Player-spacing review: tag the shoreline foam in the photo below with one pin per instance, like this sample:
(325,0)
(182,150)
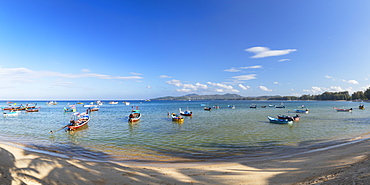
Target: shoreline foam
(19,166)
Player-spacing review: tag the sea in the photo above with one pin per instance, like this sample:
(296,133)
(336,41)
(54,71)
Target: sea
(223,134)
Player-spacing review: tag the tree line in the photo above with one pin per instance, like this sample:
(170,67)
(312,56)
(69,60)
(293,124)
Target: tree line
(359,95)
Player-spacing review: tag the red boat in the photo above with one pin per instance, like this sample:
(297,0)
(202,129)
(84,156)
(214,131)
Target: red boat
(78,120)
(343,110)
(32,110)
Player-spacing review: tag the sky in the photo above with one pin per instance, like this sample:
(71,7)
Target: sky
(143,49)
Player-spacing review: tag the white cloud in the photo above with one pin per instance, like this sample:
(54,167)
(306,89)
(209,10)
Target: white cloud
(262,52)
(283,60)
(252,67)
(245,77)
(228,87)
(276,82)
(319,90)
(187,87)
(232,70)
(174,82)
(149,87)
(24,74)
(201,88)
(352,82)
(264,88)
(336,88)
(85,70)
(244,87)
(327,76)
(165,76)
(137,74)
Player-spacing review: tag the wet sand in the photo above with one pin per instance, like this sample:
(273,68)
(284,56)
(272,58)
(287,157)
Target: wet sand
(347,164)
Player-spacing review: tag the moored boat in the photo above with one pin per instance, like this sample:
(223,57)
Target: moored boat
(12,113)
(134,116)
(280,106)
(51,103)
(291,118)
(93,109)
(78,121)
(231,106)
(343,110)
(70,108)
(361,106)
(279,121)
(113,102)
(176,117)
(207,108)
(254,106)
(185,113)
(32,110)
(301,111)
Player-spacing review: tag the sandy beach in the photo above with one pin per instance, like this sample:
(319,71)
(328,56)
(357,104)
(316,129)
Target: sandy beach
(346,164)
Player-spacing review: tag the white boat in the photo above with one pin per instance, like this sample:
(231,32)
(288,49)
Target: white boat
(126,103)
(51,103)
(9,114)
(113,102)
(89,105)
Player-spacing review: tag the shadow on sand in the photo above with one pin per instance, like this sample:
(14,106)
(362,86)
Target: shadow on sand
(57,170)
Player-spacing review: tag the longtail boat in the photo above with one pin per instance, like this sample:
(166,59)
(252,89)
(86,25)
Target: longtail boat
(279,121)
(78,120)
(134,116)
(343,110)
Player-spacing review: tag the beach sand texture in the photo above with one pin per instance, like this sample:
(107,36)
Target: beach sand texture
(340,165)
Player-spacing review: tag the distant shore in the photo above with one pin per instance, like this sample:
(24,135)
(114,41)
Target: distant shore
(332,166)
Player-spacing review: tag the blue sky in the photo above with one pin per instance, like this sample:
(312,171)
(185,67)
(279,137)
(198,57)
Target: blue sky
(142,49)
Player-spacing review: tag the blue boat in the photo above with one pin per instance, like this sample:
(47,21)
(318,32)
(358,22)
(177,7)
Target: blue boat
(301,111)
(279,121)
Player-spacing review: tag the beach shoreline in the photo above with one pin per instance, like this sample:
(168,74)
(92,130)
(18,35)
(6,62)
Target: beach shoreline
(20,166)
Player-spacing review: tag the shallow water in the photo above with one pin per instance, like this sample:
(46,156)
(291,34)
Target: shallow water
(219,134)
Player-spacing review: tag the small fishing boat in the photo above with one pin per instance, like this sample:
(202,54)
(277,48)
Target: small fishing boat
(254,106)
(290,118)
(126,103)
(279,121)
(216,107)
(280,106)
(89,105)
(176,117)
(134,116)
(31,106)
(51,103)
(301,111)
(113,102)
(32,110)
(263,106)
(70,108)
(186,112)
(10,114)
(78,121)
(207,108)
(343,110)
(95,108)
(361,106)
(231,106)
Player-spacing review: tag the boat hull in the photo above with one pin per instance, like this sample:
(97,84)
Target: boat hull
(279,121)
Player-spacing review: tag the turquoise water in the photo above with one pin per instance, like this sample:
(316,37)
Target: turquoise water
(220,134)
